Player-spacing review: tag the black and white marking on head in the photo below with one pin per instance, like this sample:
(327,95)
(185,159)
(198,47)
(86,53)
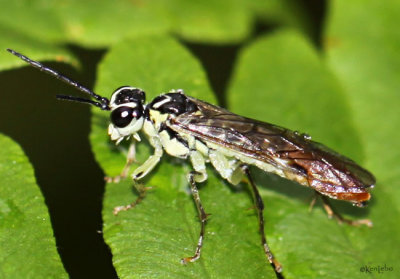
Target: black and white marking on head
(127,112)
(127,104)
(127,94)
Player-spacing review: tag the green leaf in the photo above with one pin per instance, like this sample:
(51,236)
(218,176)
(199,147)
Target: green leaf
(363,51)
(222,21)
(32,19)
(108,22)
(281,79)
(286,13)
(27,246)
(149,240)
(103,22)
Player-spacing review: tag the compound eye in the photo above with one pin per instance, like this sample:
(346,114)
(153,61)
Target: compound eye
(122,116)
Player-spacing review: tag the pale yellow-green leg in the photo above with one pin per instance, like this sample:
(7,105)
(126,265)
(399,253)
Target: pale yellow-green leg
(130,158)
(141,172)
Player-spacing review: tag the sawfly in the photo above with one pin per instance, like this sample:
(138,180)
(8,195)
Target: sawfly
(192,129)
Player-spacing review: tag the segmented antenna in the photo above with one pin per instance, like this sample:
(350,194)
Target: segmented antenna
(102,103)
(103,106)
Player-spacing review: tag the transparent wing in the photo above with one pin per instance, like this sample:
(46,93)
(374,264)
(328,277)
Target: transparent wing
(272,144)
(254,138)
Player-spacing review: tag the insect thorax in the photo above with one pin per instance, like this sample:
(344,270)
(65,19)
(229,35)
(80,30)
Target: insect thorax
(158,114)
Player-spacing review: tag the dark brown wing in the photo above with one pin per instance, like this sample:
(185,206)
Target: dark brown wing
(327,171)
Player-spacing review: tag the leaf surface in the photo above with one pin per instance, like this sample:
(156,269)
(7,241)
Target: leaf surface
(363,50)
(27,245)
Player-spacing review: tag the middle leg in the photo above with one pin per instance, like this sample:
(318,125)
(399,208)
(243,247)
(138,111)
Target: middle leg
(233,170)
(202,217)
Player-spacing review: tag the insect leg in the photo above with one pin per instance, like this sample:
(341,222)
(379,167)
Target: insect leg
(141,172)
(199,166)
(142,193)
(150,163)
(333,213)
(313,201)
(260,207)
(228,169)
(202,216)
(130,158)
(199,175)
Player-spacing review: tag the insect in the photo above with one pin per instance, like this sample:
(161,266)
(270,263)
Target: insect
(188,128)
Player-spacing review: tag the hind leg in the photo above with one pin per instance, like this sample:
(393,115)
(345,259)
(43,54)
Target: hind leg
(332,213)
(260,208)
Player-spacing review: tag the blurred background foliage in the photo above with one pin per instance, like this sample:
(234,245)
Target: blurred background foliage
(328,68)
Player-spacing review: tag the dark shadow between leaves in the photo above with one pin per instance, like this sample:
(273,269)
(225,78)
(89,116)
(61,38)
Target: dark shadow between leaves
(54,135)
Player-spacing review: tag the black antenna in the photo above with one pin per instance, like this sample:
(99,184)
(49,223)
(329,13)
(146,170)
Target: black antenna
(102,103)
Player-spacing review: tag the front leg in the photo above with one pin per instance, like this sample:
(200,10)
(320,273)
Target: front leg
(130,158)
(150,163)
(141,172)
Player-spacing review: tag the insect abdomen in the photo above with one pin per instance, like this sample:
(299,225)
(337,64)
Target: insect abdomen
(333,182)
